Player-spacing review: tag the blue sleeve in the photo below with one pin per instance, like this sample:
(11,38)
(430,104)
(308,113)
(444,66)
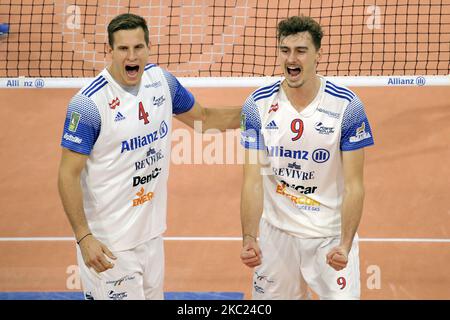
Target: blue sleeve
(82,125)
(356,132)
(182,99)
(251,137)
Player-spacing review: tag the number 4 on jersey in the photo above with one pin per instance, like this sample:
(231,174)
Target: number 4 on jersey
(143,115)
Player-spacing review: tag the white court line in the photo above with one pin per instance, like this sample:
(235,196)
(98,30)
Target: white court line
(410,240)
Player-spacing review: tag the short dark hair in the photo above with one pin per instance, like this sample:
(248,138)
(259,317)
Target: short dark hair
(298,24)
(126,21)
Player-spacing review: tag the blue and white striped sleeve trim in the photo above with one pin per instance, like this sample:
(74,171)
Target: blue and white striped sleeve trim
(339,92)
(267,91)
(95,86)
(355,132)
(251,137)
(82,125)
(182,99)
(149,66)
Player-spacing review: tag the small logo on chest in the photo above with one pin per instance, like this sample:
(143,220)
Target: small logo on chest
(273,108)
(158,101)
(153,85)
(322,129)
(119,117)
(115,103)
(272,125)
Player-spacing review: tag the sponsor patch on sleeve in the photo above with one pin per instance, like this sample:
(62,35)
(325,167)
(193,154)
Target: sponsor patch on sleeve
(243,121)
(74,120)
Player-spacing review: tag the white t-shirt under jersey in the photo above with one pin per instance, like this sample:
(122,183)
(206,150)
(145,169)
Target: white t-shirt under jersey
(128,140)
(303,189)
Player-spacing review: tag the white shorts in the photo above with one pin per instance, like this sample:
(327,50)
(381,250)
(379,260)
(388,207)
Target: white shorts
(290,265)
(137,274)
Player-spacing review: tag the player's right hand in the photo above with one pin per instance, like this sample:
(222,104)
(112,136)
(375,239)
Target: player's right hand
(251,254)
(95,254)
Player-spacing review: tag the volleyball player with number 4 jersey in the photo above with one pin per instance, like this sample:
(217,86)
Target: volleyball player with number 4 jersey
(304,140)
(115,164)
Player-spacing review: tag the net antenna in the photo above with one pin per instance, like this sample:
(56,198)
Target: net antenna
(217,43)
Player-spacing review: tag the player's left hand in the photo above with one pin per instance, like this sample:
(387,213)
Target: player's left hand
(337,258)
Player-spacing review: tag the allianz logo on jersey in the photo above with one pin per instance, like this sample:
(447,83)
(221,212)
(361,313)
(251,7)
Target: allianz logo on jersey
(119,117)
(281,152)
(142,198)
(319,155)
(272,125)
(141,141)
(361,134)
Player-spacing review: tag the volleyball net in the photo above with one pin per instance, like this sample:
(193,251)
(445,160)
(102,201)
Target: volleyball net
(62,43)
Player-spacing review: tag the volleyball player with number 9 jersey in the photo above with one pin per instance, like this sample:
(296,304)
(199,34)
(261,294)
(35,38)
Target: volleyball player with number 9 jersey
(304,189)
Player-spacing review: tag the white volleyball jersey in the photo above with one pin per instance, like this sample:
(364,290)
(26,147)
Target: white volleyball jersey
(128,140)
(303,189)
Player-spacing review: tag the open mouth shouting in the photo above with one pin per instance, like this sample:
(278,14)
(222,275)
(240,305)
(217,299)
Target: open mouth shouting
(294,72)
(132,70)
